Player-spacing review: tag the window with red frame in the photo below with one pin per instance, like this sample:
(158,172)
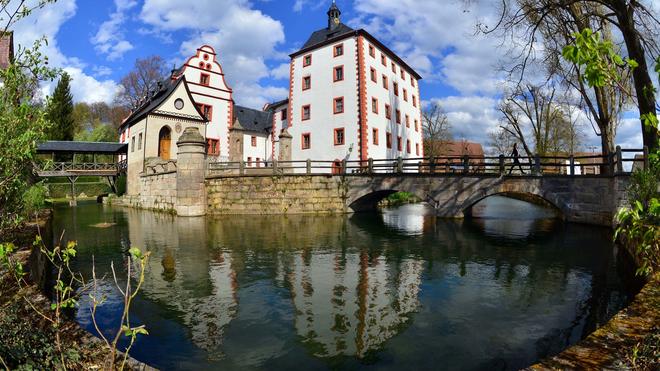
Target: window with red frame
(307,60)
(339,73)
(386,83)
(393,67)
(398,116)
(374,135)
(307,83)
(395,86)
(416,125)
(372,51)
(204,79)
(339,136)
(416,149)
(339,50)
(414,101)
(388,111)
(306,112)
(383,60)
(213,147)
(249,162)
(407,145)
(388,140)
(403,74)
(407,121)
(374,105)
(374,77)
(338,105)
(398,144)
(412,82)
(306,141)
(283,114)
(405,95)
(207,111)
(253,141)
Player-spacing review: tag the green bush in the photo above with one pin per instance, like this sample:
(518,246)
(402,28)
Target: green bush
(121,185)
(35,198)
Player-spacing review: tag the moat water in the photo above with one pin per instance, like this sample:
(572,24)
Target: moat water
(397,290)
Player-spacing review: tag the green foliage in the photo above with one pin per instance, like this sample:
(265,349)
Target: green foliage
(400,198)
(23,124)
(101,132)
(35,198)
(60,111)
(600,61)
(121,185)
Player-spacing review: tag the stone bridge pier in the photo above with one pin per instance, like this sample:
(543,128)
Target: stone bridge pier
(584,199)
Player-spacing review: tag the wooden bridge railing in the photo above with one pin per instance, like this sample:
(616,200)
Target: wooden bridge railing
(92,168)
(621,162)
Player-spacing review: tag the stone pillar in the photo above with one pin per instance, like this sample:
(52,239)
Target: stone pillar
(190,189)
(236,143)
(285,150)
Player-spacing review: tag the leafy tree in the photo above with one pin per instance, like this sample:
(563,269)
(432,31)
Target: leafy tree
(141,81)
(60,111)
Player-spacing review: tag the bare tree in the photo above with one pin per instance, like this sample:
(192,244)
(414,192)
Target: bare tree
(500,142)
(550,23)
(141,81)
(436,129)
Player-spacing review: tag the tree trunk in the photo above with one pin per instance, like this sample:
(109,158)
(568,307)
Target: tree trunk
(641,77)
(607,145)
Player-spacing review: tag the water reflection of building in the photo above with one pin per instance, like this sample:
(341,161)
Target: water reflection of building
(201,286)
(351,303)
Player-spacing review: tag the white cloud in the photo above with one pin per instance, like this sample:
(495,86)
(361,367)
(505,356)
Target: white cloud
(281,72)
(101,71)
(244,39)
(110,39)
(47,22)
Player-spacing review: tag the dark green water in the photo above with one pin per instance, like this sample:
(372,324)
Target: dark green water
(398,290)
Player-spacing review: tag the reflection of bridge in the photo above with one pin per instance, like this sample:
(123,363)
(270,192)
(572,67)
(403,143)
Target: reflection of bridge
(451,185)
(71,160)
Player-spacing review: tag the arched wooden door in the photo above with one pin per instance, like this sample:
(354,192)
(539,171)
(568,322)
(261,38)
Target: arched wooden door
(164,143)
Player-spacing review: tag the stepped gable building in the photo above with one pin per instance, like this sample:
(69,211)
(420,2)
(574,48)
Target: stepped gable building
(350,97)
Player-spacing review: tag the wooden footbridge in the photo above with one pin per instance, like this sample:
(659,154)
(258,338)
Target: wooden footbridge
(75,159)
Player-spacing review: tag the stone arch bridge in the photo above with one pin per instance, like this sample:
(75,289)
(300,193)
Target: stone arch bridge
(585,199)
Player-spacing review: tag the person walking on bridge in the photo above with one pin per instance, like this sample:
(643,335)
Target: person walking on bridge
(516,161)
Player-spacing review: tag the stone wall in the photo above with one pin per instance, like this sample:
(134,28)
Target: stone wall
(275,195)
(155,192)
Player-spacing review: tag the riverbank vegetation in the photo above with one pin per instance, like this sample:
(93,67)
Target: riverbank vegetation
(399,198)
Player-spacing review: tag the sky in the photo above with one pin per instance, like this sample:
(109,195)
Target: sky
(98,41)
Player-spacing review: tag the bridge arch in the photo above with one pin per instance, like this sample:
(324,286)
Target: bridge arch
(531,198)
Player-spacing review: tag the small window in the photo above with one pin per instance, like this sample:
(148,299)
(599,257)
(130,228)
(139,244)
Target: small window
(388,111)
(403,74)
(306,141)
(383,60)
(306,112)
(412,82)
(338,105)
(253,141)
(386,84)
(416,149)
(140,141)
(414,101)
(207,110)
(257,161)
(339,136)
(374,105)
(398,144)
(372,51)
(307,82)
(374,134)
(405,95)
(339,50)
(132,143)
(416,125)
(213,147)
(395,85)
(398,116)
(388,140)
(283,114)
(204,79)
(407,145)
(339,73)
(307,60)
(374,78)
(407,121)
(393,67)
(249,162)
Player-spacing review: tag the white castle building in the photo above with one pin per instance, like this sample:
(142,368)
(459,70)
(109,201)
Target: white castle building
(350,97)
